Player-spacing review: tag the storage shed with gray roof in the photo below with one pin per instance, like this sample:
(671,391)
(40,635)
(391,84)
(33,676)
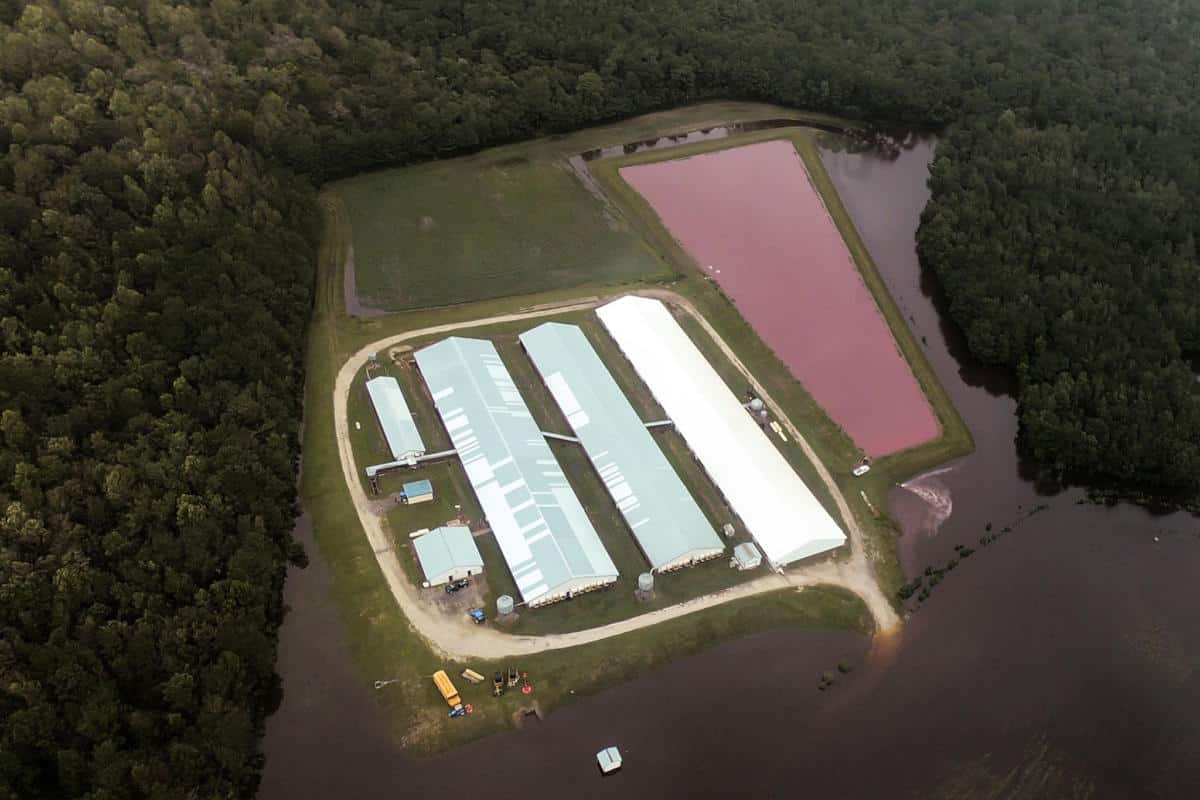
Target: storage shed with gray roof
(447,554)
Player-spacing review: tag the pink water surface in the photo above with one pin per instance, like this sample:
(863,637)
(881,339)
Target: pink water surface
(751,218)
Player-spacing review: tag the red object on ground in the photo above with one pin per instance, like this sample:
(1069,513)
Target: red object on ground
(754,222)
(526,689)
(470,709)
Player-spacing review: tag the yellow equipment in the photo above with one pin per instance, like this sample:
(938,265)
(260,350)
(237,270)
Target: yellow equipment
(442,681)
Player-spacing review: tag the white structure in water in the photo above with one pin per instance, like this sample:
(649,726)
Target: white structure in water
(779,511)
(545,535)
(609,760)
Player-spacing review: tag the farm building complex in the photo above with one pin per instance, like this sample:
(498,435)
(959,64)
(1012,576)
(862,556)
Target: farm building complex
(399,429)
(781,513)
(543,531)
(670,528)
(447,554)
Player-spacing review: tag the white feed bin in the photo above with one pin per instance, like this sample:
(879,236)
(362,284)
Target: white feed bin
(646,582)
(756,404)
(504,605)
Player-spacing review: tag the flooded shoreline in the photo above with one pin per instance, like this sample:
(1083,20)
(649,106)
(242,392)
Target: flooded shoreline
(355,307)
(1064,654)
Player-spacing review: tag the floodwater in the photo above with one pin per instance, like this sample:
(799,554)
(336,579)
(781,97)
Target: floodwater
(687,137)
(1068,649)
(354,306)
(752,219)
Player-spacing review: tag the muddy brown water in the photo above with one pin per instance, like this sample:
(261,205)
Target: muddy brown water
(355,307)
(1069,648)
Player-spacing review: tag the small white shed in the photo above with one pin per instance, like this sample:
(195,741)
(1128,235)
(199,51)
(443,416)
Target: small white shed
(746,556)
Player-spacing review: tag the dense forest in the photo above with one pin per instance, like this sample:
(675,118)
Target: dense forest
(157,170)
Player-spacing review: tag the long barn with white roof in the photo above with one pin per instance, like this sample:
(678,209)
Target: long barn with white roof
(550,545)
(778,509)
(395,420)
(668,525)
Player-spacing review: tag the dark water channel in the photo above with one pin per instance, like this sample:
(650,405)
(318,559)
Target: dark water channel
(1065,651)
(688,137)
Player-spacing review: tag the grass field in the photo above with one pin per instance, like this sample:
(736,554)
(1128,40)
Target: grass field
(508,221)
(428,236)
(379,637)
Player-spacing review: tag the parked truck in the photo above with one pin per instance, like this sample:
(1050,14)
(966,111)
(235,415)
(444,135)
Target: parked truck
(442,681)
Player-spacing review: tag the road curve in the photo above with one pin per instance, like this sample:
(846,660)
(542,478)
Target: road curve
(459,639)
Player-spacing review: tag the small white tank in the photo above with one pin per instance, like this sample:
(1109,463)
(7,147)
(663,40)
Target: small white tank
(646,582)
(756,404)
(504,605)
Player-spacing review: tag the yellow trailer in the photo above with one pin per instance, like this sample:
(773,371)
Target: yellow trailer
(472,676)
(442,681)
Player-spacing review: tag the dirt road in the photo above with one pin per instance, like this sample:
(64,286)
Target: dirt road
(460,639)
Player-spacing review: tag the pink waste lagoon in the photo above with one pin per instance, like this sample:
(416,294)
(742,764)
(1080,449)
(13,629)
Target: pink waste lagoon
(752,219)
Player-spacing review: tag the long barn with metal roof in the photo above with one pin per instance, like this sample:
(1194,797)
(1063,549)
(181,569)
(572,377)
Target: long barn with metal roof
(781,513)
(545,535)
(668,525)
(399,429)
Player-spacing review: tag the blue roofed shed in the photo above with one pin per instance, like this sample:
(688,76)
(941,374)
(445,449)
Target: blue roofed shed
(417,492)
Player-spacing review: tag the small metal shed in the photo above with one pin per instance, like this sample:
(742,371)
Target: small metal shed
(609,760)
(447,554)
(746,556)
(416,492)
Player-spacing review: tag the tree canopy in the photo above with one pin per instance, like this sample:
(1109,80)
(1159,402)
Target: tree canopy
(157,164)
